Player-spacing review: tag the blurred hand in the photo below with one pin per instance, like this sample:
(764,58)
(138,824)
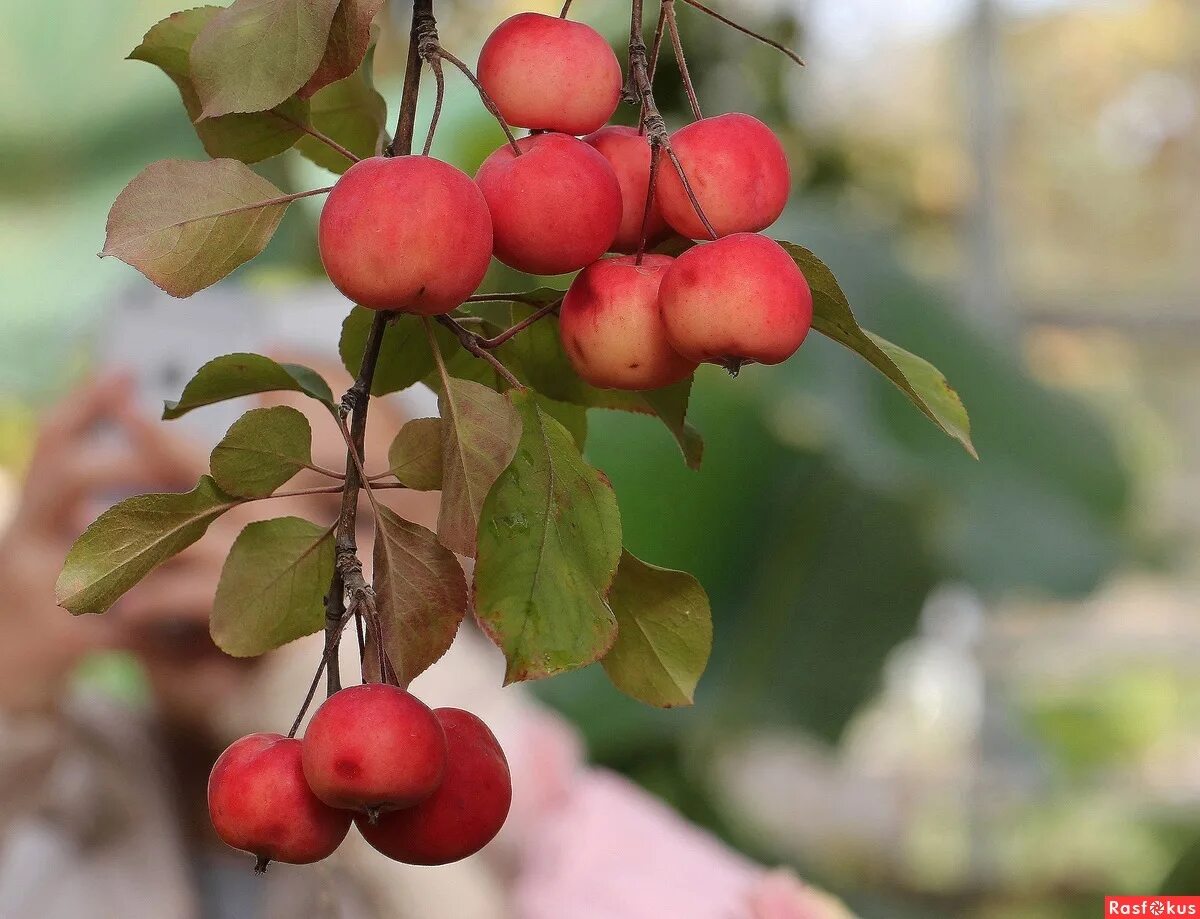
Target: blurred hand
(76,469)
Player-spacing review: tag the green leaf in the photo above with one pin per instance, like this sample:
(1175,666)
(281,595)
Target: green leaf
(915,377)
(549,544)
(131,539)
(480,431)
(351,112)
(263,449)
(234,375)
(246,137)
(272,588)
(537,358)
(664,633)
(185,225)
(421,595)
(404,357)
(347,44)
(571,417)
(254,54)
(415,456)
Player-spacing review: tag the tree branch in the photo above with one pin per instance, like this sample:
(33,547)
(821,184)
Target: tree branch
(470,341)
(783,49)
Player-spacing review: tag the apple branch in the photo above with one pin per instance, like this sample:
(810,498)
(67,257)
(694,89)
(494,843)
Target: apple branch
(471,342)
(782,49)
(689,89)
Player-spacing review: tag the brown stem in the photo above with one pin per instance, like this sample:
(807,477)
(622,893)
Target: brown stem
(317,135)
(741,28)
(565,9)
(406,120)
(439,78)
(487,101)
(655,158)
(470,341)
(689,89)
(497,340)
(312,692)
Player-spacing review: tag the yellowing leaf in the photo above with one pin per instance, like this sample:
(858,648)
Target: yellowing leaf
(415,456)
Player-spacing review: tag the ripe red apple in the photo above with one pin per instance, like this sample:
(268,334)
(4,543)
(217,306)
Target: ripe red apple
(612,329)
(373,748)
(628,152)
(464,814)
(259,802)
(735,300)
(550,74)
(406,233)
(555,208)
(738,170)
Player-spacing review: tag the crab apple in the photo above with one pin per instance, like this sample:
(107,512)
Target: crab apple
(628,152)
(407,233)
(611,326)
(550,74)
(555,208)
(736,300)
(259,802)
(464,814)
(737,170)
(373,748)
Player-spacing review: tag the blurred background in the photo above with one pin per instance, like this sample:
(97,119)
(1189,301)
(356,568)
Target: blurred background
(940,688)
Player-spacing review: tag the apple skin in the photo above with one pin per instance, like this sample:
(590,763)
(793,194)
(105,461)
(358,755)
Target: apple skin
(464,814)
(550,74)
(738,170)
(555,208)
(611,327)
(259,802)
(373,748)
(407,233)
(628,152)
(739,299)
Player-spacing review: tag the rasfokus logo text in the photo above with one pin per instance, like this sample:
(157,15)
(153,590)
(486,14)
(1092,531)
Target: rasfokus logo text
(1152,906)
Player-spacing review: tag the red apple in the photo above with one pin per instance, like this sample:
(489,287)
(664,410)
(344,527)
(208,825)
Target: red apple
(464,814)
(611,326)
(550,74)
(628,152)
(259,802)
(736,300)
(555,208)
(407,233)
(373,748)
(738,171)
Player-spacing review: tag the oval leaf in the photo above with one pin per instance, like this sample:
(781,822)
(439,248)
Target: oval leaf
(664,633)
(256,53)
(924,385)
(249,137)
(234,375)
(351,112)
(420,594)
(263,449)
(415,456)
(130,540)
(347,44)
(186,225)
(549,544)
(272,588)
(480,431)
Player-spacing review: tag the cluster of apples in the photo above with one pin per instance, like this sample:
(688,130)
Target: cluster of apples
(424,787)
(414,234)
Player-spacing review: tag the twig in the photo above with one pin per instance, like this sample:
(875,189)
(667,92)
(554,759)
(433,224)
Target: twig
(497,340)
(487,101)
(566,9)
(401,144)
(741,28)
(668,13)
(439,78)
(317,135)
(312,692)
(470,341)
(655,157)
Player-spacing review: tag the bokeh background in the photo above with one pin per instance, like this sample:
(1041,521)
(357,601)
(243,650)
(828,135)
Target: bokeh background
(941,687)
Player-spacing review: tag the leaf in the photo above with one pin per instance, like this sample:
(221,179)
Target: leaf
(480,431)
(404,357)
(263,449)
(130,540)
(664,633)
(350,112)
(571,417)
(246,137)
(185,225)
(537,357)
(420,592)
(415,456)
(915,377)
(549,544)
(347,44)
(234,375)
(256,53)
(272,588)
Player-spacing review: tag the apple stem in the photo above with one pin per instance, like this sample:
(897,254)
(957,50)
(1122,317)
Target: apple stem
(260,864)
(782,49)
(668,14)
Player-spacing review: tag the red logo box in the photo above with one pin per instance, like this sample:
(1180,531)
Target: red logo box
(1151,906)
